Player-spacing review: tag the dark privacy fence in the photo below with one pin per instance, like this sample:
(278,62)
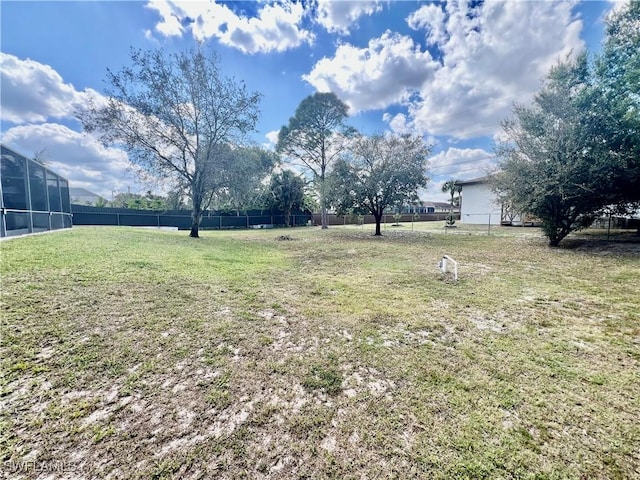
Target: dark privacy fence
(88,215)
(333,219)
(33,198)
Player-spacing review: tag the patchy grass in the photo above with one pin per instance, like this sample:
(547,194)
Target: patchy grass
(134,353)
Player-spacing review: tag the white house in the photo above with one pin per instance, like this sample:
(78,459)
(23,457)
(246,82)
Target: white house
(479,204)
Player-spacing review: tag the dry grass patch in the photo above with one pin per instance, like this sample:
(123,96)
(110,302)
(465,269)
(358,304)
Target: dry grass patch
(144,354)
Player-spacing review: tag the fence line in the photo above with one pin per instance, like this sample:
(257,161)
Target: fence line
(333,219)
(181,219)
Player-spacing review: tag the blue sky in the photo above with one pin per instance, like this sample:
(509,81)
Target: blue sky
(448,71)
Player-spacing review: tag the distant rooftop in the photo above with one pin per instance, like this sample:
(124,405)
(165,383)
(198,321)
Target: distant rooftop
(79,194)
(474,181)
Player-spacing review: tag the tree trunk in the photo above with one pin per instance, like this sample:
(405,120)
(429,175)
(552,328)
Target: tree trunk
(378,217)
(324,218)
(195,224)
(323,199)
(556,237)
(196,216)
(287,217)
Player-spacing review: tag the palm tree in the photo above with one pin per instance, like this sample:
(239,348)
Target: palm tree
(287,190)
(452,186)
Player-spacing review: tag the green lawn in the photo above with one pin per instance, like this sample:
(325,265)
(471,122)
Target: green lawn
(138,353)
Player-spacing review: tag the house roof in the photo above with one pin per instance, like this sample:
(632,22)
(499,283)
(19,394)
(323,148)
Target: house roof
(83,193)
(437,204)
(429,203)
(475,181)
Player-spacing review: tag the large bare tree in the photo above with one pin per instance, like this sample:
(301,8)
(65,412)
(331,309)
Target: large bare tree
(174,115)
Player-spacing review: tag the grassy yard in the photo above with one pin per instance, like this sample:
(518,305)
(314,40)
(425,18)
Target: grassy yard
(135,353)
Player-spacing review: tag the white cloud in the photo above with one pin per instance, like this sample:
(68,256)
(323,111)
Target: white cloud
(488,57)
(170,24)
(493,55)
(397,123)
(76,156)
(277,27)
(431,18)
(616,6)
(272,137)
(385,72)
(462,163)
(401,125)
(34,92)
(338,16)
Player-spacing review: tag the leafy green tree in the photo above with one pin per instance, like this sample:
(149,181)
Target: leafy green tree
(287,191)
(575,152)
(309,201)
(243,171)
(154,202)
(100,202)
(176,200)
(315,137)
(547,167)
(614,107)
(172,114)
(135,201)
(379,172)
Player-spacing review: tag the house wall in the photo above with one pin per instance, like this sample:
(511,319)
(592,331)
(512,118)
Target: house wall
(479,205)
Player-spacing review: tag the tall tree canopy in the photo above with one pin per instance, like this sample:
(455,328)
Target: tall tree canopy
(174,114)
(379,172)
(315,137)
